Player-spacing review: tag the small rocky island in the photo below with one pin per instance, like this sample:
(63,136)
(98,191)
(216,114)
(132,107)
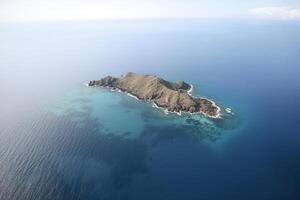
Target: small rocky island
(172,96)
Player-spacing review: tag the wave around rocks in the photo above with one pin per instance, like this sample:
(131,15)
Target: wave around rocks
(175,97)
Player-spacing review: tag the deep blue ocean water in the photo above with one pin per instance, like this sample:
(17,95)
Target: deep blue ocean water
(62,140)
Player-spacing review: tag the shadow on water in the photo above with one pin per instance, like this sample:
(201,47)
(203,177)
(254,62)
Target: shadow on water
(119,159)
(69,161)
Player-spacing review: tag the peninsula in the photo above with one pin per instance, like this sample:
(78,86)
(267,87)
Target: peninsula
(172,96)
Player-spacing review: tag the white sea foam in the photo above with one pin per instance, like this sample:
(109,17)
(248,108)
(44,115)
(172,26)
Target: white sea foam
(166,111)
(132,96)
(228,110)
(178,113)
(154,105)
(190,90)
(218,115)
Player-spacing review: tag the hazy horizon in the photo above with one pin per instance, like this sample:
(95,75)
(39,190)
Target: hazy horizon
(57,10)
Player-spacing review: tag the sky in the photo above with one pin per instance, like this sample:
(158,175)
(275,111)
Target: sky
(56,10)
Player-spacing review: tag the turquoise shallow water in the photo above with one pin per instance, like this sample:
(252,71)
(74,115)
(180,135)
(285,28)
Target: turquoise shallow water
(62,140)
(122,115)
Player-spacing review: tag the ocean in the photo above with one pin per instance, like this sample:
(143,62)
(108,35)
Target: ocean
(60,139)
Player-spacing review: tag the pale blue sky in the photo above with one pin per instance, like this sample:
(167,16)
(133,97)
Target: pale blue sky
(45,10)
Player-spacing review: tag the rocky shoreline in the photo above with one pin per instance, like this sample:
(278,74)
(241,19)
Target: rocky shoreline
(171,96)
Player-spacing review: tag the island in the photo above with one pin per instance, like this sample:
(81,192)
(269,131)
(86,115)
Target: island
(172,96)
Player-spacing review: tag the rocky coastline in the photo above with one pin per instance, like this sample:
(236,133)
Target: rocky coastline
(171,96)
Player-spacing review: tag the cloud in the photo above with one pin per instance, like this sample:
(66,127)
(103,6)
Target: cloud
(281,12)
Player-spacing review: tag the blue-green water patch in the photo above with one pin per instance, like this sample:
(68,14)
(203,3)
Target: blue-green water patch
(122,115)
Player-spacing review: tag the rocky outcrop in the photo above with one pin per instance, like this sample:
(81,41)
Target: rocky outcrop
(172,96)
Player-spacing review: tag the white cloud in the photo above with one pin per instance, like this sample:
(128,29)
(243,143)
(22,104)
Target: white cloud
(281,12)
